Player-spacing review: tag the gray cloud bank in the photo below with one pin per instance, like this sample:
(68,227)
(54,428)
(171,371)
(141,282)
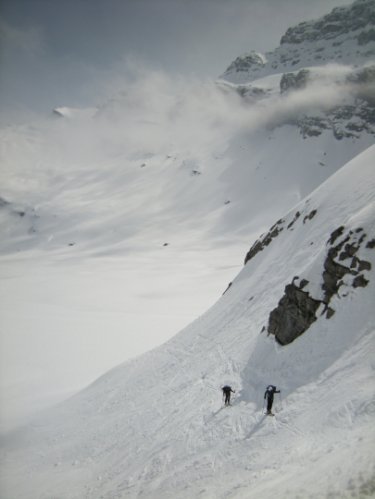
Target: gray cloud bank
(56,52)
(147,111)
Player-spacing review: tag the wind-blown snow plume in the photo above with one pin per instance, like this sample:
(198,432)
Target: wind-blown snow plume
(155,112)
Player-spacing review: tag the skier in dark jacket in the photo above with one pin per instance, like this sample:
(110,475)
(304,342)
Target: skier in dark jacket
(268,394)
(227,390)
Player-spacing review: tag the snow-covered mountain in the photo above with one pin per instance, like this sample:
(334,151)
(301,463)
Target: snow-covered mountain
(155,426)
(346,35)
(186,174)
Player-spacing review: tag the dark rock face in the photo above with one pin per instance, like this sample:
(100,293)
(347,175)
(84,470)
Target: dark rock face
(294,314)
(363,82)
(310,216)
(361,14)
(363,76)
(253,60)
(251,93)
(346,120)
(294,81)
(266,239)
(366,37)
(346,34)
(349,120)
(297,309)
(260,244)
(332,275)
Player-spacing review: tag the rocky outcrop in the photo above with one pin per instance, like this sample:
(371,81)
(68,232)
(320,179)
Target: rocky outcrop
(344,121)
(363,81)
(366,37)
(340,21)
(294,81)
(297,309)
(264,240)
(293,315)
(251,61)
(345,35)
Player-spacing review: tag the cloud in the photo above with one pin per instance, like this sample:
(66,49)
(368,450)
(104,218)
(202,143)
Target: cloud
(149,112)
(28,40)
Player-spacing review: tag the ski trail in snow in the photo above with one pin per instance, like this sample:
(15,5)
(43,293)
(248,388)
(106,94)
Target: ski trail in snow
(256,427)
(292,428)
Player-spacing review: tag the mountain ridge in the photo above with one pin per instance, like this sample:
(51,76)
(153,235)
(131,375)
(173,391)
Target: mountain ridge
(345,35)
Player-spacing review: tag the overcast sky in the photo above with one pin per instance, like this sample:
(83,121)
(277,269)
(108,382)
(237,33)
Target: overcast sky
(58,52)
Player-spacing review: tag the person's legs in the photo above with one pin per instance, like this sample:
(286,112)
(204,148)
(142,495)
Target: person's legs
(269,404)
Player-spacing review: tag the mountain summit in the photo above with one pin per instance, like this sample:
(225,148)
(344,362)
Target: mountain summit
(346,36)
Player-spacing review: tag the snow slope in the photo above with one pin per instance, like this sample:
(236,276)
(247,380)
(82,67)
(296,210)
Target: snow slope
(99,226)
(155,426)
(121,224)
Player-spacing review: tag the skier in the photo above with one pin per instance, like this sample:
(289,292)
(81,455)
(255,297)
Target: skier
(268,394)
(227,390)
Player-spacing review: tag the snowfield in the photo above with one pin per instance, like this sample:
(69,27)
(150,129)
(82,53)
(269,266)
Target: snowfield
(101,225)
(156,427)
(123,224)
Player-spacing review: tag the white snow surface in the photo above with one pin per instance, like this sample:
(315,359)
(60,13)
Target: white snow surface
(149,205)
(155,426)
(124,223)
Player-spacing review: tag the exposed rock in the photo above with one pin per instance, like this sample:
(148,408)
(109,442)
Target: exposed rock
(297,309)
(303,283)
(293,315)
(344,121)
(332,275)
(310,216)
(345,34)
(260,244)
(294,81)
(363,81)
(250,92)
(296,217)
(360,281)
(345,250)
(274,231)
(312,126)
(340,21)
(329,312)
(252,60)
(366,37)
(363,75)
